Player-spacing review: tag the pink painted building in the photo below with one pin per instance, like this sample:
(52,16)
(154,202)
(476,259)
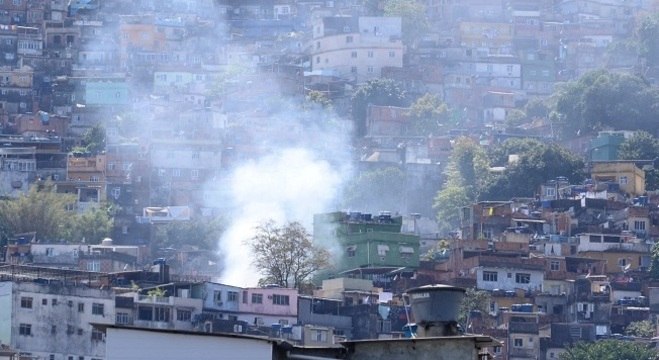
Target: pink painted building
(268,305)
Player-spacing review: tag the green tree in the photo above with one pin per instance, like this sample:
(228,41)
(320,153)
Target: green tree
(41,210)
(91,226)
(413,18)
(648,36)
(466,174)
(643,328)
(376,190)
(601,99)
(640,146)
(474,300)
(93,140)
(427,115)
(537,162)
(610,350)
(654,265)
(515,118)
(319,98)
(536,108)
(385,92)
(285,255)
(202,233)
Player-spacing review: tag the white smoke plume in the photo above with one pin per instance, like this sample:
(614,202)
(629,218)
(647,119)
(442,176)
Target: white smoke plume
(289,185)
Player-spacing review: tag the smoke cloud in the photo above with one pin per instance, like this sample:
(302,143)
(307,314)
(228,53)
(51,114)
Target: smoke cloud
(289,185)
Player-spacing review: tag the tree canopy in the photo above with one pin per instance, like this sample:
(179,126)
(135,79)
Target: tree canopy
(285,255)
(386,92)
(44,211)
(601,99)
(466,173)
(474,300)
(93,140)
(648,36)
(536,163)
(201,233)
(610,350)
(428,114)
(642,146)
(643,328)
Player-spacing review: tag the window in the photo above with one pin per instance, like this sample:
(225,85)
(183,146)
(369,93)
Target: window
(232,296)
(161,314)
(623,180)
(183,315)
(369,70)
(370,54)
(550,191)
(490,276)
(79,332)
(349,39)
(50,251)
(353,69)
(25,329)
(353,54)
(518,342)
(319,335)
(382,250)
(97,335)
(244,297)
(144,313)
(44,301)
(317,59)
(554,265)
(217,296)
(116,192)
(351,250)
(53,302)
(26,302)
(123,318)
(280,299)
(623,262)
(194,174)
(522,278)
(53,329)
(257,298)
(639,225)
(392,54)
(81,307)
(97,309)
(94,266)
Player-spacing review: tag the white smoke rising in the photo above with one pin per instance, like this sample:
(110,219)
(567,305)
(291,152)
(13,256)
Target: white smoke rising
(289,185)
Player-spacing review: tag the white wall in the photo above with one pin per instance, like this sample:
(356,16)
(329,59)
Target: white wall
(137,344)
(5,312)
(509,283)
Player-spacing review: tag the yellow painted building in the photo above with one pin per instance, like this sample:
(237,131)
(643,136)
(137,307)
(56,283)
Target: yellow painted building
(629,176)
(617,261)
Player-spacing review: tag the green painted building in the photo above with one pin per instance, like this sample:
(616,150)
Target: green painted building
(365,241)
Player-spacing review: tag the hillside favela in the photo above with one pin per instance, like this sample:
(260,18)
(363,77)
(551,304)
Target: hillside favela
(318,179)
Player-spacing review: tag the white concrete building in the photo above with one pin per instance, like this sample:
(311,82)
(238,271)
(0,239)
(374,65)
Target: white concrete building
(506,277)
(53,321)
(139,344)
(356,48)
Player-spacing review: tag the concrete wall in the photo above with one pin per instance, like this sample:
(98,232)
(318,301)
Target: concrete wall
(5,312)
(58,326)
(129,344)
